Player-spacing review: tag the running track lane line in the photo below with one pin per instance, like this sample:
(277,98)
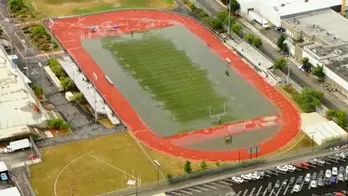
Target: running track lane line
(73,29)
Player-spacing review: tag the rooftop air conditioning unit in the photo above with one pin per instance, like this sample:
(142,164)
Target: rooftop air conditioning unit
(282,5)
(305,1)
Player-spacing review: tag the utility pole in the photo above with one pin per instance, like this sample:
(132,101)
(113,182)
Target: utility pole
(95,78)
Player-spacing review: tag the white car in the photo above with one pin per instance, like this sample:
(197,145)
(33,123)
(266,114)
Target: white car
(247,176)
(347,169)
(237,179)
(291,167)
(308,177)
(328,174)
(283,168)
(297,188)
(341,155)
(340,177)
(255,176)
(322,162)
(334,171)
(314,184)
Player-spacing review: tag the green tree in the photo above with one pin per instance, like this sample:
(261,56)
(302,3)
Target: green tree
(216,24)
(38,30)
(187,167)
(236,28)
(257,42)
(280,63)
(204,165)
(57,123)
(281,43)
(67,83)
(38,90)
(249,38)
(16,5)
(235,6)
(217,164)
(319,72)
(306,64)
(339,116)
(222,16)
(79,98)
(309,99)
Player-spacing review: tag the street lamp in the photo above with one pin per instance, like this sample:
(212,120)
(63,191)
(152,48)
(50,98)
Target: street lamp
(95,78)
(158,165)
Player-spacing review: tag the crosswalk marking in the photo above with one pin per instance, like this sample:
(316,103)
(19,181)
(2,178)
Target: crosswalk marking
(209,186)
(191,189)
(186,192)
(175,193)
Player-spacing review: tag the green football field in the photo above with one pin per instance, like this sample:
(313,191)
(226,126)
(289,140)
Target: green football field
(175,82)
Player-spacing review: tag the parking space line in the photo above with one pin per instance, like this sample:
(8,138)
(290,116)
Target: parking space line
(223,182)
(280,188)
(245,192)
(259,191)
(252,191)
(215,184)
(286,189)
(239,193)
(227,179)
(209,186)
(202,188)
(186,192)
(191,189)
(264,192)
(175,193)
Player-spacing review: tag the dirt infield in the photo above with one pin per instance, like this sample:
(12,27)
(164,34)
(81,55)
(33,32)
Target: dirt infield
(70,30)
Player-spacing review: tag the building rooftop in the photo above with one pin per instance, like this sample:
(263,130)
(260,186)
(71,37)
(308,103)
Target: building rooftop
(290,7)
(333,57)
(327,25)
(17,100)
(3,166)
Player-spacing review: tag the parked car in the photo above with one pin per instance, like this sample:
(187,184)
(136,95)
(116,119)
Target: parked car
(277,184)
(285,183)
(314,184)
(269,187)
(340,177)
(297,188)
(328,173)
(308,177)
(299,180)
(247,176)
(333,179)
(320,182)
(291,167)
(237,179)
(321,174)
(255,176)
(334,171)
(282,168)
(320,161)
(341,155)
(314,176)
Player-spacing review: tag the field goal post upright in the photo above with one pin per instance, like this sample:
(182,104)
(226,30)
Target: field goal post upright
(217,115)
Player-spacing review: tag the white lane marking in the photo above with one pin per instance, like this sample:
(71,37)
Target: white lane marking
(186,192)
(209,186)
(223,182)
(191,189)
(215,184)
(175,193)
(202,188)
(259,191)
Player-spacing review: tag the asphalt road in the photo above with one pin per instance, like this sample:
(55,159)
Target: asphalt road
(259,187)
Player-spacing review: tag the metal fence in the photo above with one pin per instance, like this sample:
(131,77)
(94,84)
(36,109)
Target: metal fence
(35,148)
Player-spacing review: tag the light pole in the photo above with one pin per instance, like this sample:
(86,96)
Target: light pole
(158,165)
(42,82)
(95,78)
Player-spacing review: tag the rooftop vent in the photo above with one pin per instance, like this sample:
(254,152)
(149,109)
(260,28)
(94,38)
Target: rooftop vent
(305,1)
(282,5)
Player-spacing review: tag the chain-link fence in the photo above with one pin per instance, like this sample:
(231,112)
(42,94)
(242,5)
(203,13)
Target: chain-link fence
(35,148)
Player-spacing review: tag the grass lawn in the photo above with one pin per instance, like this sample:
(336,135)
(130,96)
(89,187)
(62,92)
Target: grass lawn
(91,167)
(54,8)
(168,74)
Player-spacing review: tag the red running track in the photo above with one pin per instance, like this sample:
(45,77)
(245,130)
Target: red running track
(70,30)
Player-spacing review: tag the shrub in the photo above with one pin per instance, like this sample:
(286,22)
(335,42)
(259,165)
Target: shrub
(57,123)
(38,90)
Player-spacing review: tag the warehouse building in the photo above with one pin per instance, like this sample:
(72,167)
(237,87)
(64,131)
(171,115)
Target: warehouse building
(276,10)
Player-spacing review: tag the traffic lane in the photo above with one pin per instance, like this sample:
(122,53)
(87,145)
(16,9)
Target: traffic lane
(282,176)
(212,6)
(221,187)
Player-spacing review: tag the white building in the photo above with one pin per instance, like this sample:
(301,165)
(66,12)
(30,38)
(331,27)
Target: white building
(18,105)
(276,10)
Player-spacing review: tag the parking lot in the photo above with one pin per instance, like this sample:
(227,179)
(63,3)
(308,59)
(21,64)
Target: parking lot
(261,187)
